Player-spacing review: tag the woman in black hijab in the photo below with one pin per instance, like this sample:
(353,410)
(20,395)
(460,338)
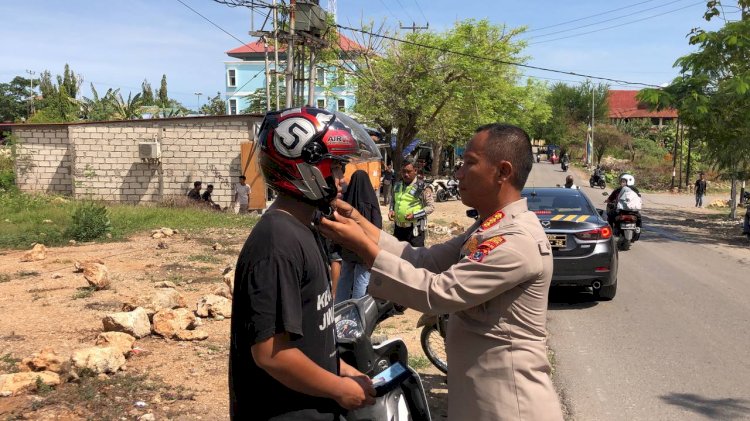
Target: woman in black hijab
(355,276)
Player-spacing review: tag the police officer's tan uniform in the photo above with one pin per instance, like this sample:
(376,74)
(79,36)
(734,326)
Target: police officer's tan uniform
(494,280)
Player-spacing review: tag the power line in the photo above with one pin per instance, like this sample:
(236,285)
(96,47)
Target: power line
(605,21)
(405,11)
(617,26)
(587,17)
(212,22)
(388,9)
(510,63)
(422,11)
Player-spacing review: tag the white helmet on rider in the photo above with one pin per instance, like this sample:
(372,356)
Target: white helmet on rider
(629,179)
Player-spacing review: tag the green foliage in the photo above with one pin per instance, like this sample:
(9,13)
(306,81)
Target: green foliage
(571,113)
(215,106)
(163,96)
(58,103)
(607,137)
(7,172)
(90,221)
(443,96)
(14,99)
(147,93)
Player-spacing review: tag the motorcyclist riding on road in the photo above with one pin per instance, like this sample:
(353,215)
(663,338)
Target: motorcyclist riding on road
(625,180)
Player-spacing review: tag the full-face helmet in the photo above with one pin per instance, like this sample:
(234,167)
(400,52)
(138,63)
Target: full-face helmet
(300,147)
(629,179)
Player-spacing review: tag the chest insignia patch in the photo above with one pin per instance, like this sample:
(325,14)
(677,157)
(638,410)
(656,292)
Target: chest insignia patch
(493,220)
(485,248)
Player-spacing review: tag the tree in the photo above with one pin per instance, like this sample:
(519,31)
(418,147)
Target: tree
(571,107)
(607,138)
(97,108)
(129,109)
(58,103)
(711,94)
(71,81)
(163,96)
(147,93)
(215,106)
(416,89)
(14,99)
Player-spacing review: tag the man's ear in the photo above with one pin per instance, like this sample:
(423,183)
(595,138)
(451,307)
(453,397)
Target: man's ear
(504,171)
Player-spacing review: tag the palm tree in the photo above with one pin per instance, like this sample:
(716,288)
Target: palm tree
(129,109)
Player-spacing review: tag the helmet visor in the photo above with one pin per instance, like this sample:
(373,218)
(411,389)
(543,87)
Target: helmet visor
(368,150)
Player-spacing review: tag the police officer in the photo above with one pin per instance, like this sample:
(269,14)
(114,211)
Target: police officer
(493,280)
(412,202)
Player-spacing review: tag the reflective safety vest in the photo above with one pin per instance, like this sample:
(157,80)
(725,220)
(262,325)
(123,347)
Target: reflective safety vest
(406,200)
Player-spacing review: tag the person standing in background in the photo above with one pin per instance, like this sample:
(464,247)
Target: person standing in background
(242,195)
(388,178)
(700,190)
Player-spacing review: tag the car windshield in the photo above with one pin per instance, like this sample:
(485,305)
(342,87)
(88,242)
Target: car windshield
(549,203)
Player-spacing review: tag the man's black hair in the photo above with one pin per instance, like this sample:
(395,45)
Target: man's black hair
(409,160)
(197,183)
(506,142)
(210,186)
(242,177)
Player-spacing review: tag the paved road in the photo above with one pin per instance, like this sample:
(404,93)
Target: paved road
(673,345)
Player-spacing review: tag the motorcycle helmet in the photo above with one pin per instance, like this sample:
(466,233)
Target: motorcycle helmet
(299,146)
(628,178)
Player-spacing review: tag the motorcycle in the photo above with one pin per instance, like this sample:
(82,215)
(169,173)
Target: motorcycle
(356,320)
(627,226)
(597,180)
(432,339)
(446,189)
(564,165)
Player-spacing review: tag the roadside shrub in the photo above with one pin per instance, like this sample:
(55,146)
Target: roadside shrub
(7,175)
(90,221)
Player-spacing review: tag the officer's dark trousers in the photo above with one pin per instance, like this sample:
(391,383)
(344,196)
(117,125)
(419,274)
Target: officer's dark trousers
(407,234)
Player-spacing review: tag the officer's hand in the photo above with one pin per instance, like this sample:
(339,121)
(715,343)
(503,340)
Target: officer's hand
(409,217)
(346,210)
(355,392)
(347,233)
(391,214)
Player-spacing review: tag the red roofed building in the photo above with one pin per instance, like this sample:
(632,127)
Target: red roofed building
(623,106)
(245,76)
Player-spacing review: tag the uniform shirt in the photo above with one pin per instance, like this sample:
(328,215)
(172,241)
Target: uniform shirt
(494,281)
(281,285)
(426,197)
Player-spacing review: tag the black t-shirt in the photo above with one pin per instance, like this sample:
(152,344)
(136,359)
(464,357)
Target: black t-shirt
(194,194)
(281,285)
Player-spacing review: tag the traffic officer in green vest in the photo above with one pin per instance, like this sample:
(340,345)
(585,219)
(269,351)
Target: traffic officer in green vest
(412,202)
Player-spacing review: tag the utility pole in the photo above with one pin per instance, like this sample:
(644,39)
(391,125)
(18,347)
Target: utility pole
(311,87)
(674,154)
(31,95)
(414,26)
(276,51)
(290,58)
(198,94)
(593,92)
(268,75)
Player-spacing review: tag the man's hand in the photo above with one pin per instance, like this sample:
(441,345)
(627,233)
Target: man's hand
(391,215)
(350,235)
(355,392)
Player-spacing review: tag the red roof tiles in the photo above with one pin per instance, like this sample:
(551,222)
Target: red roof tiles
(623,104)
(345,43)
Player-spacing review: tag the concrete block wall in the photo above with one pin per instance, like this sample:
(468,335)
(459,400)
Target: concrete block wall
(104,162)
(44,159)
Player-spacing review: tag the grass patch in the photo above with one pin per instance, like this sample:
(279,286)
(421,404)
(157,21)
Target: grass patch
(84,292)
(419,362)
(9,363)
(4,277)
(37,290)
(104,306)
(204,258)
(26,213)
(27,273)
(111,398)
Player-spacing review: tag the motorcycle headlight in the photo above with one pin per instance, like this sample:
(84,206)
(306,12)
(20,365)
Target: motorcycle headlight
(349,324)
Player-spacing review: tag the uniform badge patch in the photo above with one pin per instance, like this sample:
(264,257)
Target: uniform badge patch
(485,248)
(493,220)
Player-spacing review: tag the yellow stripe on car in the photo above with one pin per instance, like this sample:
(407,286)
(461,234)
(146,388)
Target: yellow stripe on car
(557,217)
(569,218)
(582,218)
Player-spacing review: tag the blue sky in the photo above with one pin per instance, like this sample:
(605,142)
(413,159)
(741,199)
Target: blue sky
(118,43)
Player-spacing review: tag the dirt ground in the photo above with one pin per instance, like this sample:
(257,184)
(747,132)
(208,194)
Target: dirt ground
(45,304)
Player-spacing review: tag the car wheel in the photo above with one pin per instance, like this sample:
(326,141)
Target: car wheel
(606,293)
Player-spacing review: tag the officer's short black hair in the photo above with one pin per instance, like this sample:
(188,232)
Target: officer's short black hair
(409,160)
(210,186)
(506,142)
(197,184)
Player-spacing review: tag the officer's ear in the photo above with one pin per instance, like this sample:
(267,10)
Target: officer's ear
(504,171)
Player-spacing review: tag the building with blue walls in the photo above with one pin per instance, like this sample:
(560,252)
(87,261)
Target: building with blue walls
(245,79)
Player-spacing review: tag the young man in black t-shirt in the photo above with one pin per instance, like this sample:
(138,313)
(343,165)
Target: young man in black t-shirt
(283,359)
